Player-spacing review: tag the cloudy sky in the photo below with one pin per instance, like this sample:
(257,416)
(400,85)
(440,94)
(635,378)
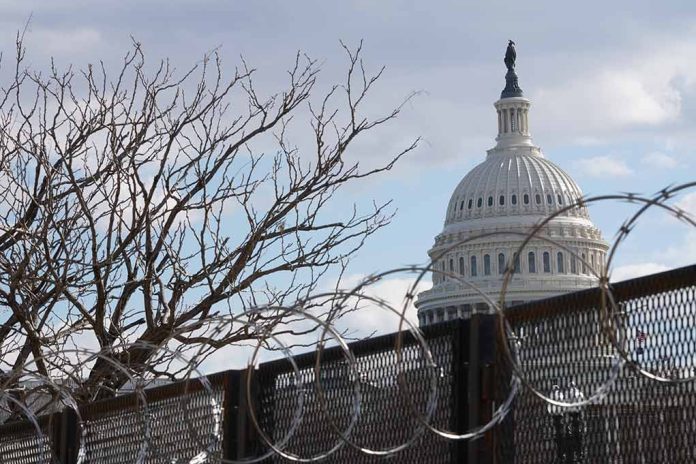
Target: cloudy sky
(613,87)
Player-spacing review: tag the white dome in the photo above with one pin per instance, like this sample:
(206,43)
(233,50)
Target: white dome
(510,183)
(506,195)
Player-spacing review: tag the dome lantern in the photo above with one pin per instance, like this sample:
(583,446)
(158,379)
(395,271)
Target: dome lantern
(513,123)
(512,108)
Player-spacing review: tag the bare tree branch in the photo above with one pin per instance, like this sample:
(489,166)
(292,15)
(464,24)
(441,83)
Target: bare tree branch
(139,205)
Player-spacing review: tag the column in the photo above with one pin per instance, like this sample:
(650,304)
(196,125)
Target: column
(526,121)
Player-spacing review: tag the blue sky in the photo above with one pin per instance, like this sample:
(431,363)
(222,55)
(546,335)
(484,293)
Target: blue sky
(613,87)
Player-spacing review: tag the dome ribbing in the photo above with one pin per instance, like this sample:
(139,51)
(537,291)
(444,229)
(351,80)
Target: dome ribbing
(513,184)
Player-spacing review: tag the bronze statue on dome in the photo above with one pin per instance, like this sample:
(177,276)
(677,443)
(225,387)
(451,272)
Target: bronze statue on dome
(512,88)
(510,56)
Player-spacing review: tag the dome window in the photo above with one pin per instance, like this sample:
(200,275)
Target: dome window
(547,262)
(473,266)
(471,203)
(573,265)
(516,260)
(502,200)
(531,262)
(559,263)
(479,203)
(487,264)
(501,263)
(549,198)
(560,199)
(538,199)
(526,199)
(514,199)
(490,201)
(451,263)
(584,266)
(461,266)
(461,205)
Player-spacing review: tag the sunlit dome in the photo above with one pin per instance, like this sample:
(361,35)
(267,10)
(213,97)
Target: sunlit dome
(512,183)
(500,199)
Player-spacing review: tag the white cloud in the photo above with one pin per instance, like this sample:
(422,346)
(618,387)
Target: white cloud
(682,251)
(372,317)
(630,271)
(588,141)
(679,250)
(603,166)
(688,204)
(646,85)
(659,160)
(616,99)
(64,41)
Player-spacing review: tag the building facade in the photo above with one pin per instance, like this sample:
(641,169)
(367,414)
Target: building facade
(500,201)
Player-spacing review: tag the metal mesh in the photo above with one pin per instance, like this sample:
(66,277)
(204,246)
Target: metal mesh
(23,445)
(560,343)
(386,419)
(180,423)
(640,420)
(172,430)
(20,441)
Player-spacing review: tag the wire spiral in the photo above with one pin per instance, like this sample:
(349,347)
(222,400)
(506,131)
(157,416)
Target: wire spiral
(613,331)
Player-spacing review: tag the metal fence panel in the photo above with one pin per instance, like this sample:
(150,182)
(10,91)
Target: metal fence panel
(178,423)
(561,343)
(640,420)
(386,420)
(21,444)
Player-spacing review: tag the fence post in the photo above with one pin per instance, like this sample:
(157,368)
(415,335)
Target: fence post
(488,393)
(503,433)
(239,436)
(460,413)
(69,437)
(230,410)
(474,384)
(236,410)
(61,432)
(55,434)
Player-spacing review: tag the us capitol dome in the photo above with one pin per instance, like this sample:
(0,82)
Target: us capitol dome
(512,190)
